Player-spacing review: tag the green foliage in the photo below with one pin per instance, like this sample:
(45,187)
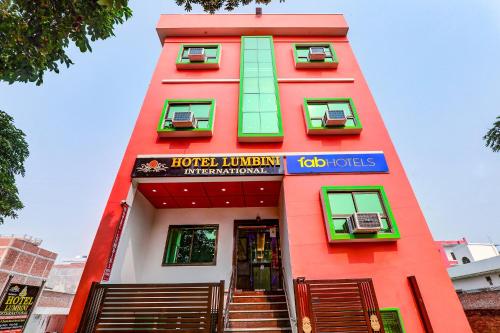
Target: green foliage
(492,137)
(35,34)
(211,6)
(13,153)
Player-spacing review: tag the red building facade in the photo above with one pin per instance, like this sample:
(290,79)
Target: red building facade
(258,158)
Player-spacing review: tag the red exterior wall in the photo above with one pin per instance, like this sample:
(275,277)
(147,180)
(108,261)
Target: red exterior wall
(388,264)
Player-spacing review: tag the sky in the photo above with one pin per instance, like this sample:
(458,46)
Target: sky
(432,67)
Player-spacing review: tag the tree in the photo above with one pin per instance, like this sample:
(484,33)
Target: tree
(211,6)
(13,153)
(34,35)
(492,137)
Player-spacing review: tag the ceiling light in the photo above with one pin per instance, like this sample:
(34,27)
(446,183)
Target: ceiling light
(164,203)
(262,201)
(193,203)
(262,189)
(154,190)
(223,189)
(227,202)
(185,190)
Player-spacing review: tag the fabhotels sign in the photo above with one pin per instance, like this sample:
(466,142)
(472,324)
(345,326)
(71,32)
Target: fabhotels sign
(208,166)
(336,163)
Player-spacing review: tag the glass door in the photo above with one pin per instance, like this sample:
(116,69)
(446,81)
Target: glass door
(258,258)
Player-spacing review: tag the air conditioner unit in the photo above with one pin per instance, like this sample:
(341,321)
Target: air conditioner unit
(334,118)
(197,54)
(365,223)
(183,119)
(317,53)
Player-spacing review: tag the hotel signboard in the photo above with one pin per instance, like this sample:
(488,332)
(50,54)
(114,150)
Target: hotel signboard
(16,306)
(209,166)
(337,163)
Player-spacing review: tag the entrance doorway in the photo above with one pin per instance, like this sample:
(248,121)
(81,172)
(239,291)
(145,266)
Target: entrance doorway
(257,256)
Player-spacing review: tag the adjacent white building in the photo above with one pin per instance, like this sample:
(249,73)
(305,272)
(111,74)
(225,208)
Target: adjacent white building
(471,266)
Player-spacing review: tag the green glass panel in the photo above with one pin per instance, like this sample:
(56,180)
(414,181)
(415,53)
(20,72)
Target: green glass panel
(263,43)
(304,53)
(317,110)
(264,56)
(250,102)
(350,122)
(341,106)
(251,86)
(173,243)
(185,53)
(266,85)
(251,123)
(328,59)
(201,110)
(251,70)
(202,124)
(269,122)
(328,52)
(203,246)
(316,123)
(368,202)
(211,52)
(385,226)
(250,43)
(340,225)
(250,56)
(265,72)
(184,247)
(167,124)
(175,108)
(341,203)
(262,277)
(268,102)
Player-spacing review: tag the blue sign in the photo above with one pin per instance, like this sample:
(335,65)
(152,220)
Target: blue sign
(336,163)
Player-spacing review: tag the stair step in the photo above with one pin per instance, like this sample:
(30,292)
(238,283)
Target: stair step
(254,319)
(261,329)
(258,298)
(253,314)
(258,306)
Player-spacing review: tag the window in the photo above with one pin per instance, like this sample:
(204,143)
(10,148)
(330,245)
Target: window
(191,245)
(392,320)
(259,110)
(203,111)
(489,280)
(210,58)
(341,202)
(315,109)
(465,260)
(303,60)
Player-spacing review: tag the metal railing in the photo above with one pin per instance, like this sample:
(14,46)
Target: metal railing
(229,297)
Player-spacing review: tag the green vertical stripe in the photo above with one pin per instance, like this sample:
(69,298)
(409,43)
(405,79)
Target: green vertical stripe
(259,109)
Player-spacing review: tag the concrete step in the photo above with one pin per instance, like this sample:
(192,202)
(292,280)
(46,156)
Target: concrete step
(242,314)
(259,323)
(257,306)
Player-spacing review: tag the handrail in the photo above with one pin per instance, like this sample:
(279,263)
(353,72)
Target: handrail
(293,320)
(229,297)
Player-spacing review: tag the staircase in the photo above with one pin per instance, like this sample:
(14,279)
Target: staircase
(258,311)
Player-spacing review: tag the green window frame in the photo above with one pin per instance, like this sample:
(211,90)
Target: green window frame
(259,116)
(301,51)
(213,52)
(191,245)
(204,112)
(392,320)
(340,202)
(315,108)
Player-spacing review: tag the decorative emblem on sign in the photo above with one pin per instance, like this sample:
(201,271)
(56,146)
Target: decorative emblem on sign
(306,325)
(375,324)
(152,166)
